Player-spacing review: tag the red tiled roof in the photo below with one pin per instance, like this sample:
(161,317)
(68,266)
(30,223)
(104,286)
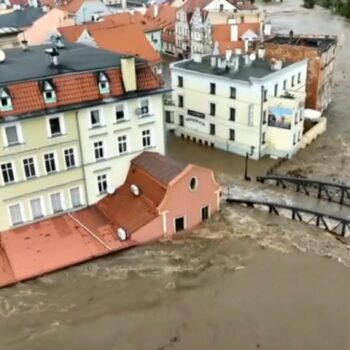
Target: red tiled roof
(190,5)
(163,169)
(143,22)
(166,15)
(222,34)
(73,5)
(74,89)
(131,39)
(69,239)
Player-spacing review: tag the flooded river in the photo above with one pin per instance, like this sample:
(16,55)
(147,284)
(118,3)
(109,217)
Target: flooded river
(245,280)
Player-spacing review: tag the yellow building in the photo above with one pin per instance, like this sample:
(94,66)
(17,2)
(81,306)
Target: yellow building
(70,121)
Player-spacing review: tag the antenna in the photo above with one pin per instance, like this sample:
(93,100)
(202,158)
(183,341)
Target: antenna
(2,56)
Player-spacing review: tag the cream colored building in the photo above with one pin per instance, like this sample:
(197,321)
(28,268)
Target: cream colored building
(67,135)
(239,103)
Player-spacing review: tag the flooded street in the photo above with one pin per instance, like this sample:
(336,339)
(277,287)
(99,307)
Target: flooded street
(245,280)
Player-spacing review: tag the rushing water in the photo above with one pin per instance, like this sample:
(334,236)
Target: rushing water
(245,280)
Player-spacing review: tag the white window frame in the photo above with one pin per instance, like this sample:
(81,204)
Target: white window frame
(97,183)
(62,202)
(124,112)
(103,150)
(56,163)
(42,205)
(13,165)
(22,213)
(35,167)
(62,125)
(80,196)
(148,107)
(19,134)
(102,120)
(150,136)
(128,150)
(75,153)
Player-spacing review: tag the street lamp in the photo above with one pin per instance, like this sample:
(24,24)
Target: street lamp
(246,177)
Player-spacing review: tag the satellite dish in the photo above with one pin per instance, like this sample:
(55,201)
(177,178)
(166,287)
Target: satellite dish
(110,190)
(2,56)
(252,57)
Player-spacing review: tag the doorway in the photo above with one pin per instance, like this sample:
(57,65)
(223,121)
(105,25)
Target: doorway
(205,213)
(179,224)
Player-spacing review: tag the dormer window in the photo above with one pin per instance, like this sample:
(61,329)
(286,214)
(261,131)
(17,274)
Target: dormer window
(49,92)
(5,100)
(103,83)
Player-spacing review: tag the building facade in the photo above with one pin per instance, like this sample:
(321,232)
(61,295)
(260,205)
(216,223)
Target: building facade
(239,104)
(68,131)
(320,51)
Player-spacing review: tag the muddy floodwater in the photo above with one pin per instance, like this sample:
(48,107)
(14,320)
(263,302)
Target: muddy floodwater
(245,280)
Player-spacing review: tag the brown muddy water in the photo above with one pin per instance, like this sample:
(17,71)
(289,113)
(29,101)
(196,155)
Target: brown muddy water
(245,280)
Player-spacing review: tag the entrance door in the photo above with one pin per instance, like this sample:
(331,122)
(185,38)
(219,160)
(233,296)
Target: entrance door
(179,224)
(205,213)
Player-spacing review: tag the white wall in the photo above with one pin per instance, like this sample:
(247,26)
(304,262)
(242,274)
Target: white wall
(114,165)
(197,97)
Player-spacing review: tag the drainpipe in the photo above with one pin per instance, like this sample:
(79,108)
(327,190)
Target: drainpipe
(261,118)
(82,158)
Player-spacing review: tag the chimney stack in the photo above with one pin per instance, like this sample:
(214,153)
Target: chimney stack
(155,9)
(228,53)
(124,4)
(24,44)
(234,29)
(267,29)
(53,53)
(261,52)
(129,73)
(291,35)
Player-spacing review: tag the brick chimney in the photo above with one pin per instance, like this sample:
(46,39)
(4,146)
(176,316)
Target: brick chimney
(234,29)
(129,73)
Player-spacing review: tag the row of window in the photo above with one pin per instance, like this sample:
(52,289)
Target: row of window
(12,133)
(122,144)
(37,207)
(49,92)
(233,90)
(30,168)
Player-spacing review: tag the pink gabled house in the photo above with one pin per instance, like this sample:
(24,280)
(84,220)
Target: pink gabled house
(159,198)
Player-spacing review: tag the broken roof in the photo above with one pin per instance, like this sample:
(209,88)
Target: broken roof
(322,42)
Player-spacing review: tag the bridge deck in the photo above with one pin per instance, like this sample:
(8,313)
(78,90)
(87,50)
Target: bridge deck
(333,192)
(331,223)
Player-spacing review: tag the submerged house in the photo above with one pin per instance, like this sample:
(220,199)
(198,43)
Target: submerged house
(159,198)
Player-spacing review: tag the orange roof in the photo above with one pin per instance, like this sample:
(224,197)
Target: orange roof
(131,41)
(144,23)
(74,89)
(222,34)
(190,5)
(69,239)
(166,15)
(73,6)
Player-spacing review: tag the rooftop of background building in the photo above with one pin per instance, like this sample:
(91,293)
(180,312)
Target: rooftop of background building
(314,41)
(259,68)
(34,63)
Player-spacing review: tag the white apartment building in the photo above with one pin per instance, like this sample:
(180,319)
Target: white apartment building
(239,103)
(69,130)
